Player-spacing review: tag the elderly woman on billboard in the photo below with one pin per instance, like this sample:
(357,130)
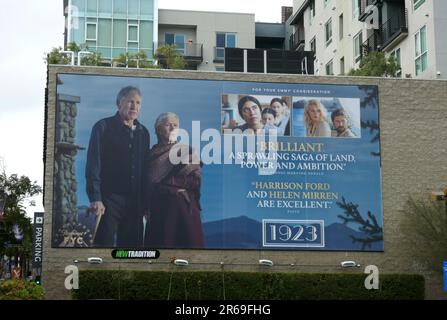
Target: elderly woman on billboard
(174,190)
(315,118)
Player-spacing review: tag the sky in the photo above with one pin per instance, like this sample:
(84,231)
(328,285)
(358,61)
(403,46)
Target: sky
(29,29)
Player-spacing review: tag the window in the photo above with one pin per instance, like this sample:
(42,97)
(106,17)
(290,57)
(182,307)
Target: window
(340,26)
(220,69)
(311,11)
(224,40)
(358,40)
(177,39)
(417,4)
(421,52)
(396,55)
(313,46)
(355,8)
(91,31)
(342,66)
(330,68)
(328,28)
(132,33)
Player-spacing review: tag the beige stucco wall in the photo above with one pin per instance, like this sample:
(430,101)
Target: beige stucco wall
(413,134)
(205,25)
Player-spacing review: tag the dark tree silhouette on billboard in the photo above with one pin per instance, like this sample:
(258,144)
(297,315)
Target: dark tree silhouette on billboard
(369,226)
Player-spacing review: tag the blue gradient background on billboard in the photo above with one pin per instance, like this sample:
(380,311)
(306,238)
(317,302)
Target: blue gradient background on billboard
(224,187)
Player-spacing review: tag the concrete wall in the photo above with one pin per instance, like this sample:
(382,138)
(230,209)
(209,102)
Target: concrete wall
(413,132)
(207,24)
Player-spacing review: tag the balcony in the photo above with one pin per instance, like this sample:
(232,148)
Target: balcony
(297,41)
(191,52)
(388,35)
(363,4)
(394,30)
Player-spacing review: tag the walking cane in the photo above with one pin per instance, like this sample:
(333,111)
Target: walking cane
(98,220)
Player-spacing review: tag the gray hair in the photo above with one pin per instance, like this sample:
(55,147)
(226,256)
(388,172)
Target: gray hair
(125,91)
(163,117)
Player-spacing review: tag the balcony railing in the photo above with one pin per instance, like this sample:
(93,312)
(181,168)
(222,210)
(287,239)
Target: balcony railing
(363,4)
(190,51)
(296,41)
(388,34)
(395,27)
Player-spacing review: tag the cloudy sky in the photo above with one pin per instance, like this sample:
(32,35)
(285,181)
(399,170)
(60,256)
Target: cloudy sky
(28,29)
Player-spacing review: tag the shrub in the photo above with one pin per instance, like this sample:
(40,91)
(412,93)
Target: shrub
(20,290)
(185,285)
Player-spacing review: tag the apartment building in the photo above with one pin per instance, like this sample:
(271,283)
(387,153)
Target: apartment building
(202,36)
(112,27)
(341,32)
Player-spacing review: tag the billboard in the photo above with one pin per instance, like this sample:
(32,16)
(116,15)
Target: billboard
(209,164)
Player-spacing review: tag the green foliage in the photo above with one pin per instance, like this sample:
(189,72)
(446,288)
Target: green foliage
(72,46)
(15,190)
(169,58)
(375,64)
(185,285)
(56,57)
(134,60)
(20,290)
(93,59)
(425,228)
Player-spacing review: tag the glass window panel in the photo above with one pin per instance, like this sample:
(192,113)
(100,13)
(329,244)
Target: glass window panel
(105,33)
(180,40)
(105,6)
(79,4)
(119,33)
(91,45)
(147,8)
(220,40)
(92,6)
(169,38)
(133,33)
(424,62)
(146,36)
(117,51)
(105,52)
(220,53)
(120,6)
(231,40)
(134,7)
(423,40)
(91,31)
(417,44)
(418,66)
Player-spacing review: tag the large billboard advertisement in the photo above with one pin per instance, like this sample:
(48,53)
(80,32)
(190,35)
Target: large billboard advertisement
(209,164)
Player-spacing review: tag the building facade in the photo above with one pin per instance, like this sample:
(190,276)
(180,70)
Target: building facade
(341,32)
(201,36)
(112,27)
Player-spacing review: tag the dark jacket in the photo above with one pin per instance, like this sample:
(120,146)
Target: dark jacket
(116,159)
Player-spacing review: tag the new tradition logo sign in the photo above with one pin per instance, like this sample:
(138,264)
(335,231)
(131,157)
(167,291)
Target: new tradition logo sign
(135,254)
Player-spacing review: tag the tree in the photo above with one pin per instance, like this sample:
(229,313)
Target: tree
(14,191)
(424,226)
(134,60)
(56,57)
(169,57)
(375,64)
